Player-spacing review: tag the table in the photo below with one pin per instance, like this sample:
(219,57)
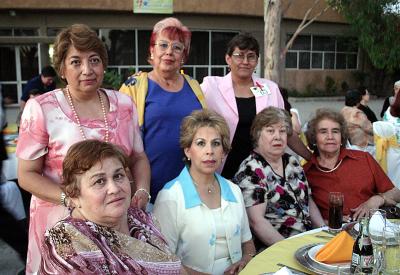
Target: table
(283,252)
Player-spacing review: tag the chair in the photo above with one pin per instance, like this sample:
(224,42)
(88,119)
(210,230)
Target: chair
(387,150)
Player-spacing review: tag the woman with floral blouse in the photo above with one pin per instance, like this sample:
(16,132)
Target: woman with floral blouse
(275,190)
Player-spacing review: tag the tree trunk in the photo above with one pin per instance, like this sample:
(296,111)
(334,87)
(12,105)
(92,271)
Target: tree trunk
(272,33)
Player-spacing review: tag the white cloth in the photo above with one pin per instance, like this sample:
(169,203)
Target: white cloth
(188,224)
(11,200)
(387,129)
(283,271)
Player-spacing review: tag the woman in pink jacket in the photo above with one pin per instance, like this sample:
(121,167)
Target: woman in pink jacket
(239,96)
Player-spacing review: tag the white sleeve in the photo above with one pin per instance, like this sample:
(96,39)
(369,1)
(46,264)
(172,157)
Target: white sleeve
(166,212)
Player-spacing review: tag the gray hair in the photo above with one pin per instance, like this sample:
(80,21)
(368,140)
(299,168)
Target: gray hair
(397,84)
(267,117)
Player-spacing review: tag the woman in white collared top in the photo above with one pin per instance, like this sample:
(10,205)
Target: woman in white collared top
(202,214)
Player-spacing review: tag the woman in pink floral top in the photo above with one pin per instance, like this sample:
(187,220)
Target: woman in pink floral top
(54,121)
(275,190)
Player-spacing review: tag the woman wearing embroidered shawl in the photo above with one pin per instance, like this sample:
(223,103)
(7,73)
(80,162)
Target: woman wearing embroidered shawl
(102,234)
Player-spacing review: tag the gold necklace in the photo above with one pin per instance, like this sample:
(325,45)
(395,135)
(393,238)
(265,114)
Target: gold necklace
(210,187)
(331,170)
(103,109)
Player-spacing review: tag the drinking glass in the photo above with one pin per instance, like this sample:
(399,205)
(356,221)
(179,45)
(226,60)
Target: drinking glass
(376,225)
(391,243)
(335,211)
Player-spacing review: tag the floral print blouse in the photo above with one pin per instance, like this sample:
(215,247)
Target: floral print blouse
(286,197)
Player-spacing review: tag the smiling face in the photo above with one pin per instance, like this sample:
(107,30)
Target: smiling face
(167,59)
(328,136)
(272,141)
(205,152)
(84,71)
(105,193)
(242,67)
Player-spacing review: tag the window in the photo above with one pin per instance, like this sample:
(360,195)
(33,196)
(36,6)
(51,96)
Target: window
(19,32)
(322,52)
(21,64)
(206,56)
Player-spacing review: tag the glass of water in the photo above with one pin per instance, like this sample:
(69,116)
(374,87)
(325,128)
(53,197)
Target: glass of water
(391,244)
(377,223)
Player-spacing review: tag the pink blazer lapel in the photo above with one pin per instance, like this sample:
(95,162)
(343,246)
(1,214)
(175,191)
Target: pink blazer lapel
(226,89)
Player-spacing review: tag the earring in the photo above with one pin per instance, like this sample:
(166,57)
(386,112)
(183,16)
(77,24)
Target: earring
(62,77)
(182,62)
(151,56)
(188,159)
(105,71)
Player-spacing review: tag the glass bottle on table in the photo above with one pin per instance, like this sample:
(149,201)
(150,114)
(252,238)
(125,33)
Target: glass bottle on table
(362,259)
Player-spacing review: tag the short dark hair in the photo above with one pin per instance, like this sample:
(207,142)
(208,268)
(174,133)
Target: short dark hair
(84,155)
(362,90)
(352,98)
(35,92)
(48,71)
(83,38)
(244,41)
(321,114)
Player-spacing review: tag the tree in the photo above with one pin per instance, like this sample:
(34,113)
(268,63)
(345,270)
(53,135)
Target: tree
(272,29)
(376,23)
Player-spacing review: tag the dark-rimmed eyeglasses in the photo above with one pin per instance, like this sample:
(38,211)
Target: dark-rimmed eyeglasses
(175,46)
(251,57)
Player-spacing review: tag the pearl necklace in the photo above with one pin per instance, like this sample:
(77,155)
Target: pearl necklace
(210,187)
(103,109)
(331,170)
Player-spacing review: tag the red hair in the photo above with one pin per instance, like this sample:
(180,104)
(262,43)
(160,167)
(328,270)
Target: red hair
(173,29)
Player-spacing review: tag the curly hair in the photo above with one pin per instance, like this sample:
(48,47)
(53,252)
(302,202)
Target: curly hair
(84,155)
(321,114)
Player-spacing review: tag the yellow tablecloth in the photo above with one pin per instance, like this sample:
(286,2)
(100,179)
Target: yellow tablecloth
(282,252)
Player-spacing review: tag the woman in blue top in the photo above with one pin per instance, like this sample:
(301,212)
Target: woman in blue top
(163,98)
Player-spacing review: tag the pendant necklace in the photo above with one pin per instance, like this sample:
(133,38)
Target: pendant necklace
(210,187)
(103,110)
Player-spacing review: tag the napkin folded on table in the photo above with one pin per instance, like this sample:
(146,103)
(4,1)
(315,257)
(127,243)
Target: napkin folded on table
(377,224)
(337,250)
(283,271)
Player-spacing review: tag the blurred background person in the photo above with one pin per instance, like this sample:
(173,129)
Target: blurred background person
(163,98)
(44,82)
(363,106)
(52,122)
(333,168)
(239,96)
(202,214)
(386,102)
(31,94)
(102,234)
(13,222)
(392,114)
(275,190)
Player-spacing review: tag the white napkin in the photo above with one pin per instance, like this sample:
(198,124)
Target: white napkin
(377,225)
(283,271)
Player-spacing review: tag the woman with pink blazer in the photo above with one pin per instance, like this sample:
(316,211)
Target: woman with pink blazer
(239,96)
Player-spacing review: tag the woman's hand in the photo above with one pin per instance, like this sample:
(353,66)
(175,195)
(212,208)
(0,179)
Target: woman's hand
(362,210)
(140,199)
(238,266)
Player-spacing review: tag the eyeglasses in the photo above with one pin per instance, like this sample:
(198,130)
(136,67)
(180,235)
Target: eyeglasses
(251,57)
(164,45)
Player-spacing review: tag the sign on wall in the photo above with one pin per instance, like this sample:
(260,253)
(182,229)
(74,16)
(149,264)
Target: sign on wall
(153,6)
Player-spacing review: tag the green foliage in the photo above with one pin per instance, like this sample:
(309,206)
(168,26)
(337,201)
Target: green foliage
(377,25)
(330,86)
(112,80)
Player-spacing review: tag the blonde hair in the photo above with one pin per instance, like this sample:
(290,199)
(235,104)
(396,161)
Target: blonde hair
(204,118)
